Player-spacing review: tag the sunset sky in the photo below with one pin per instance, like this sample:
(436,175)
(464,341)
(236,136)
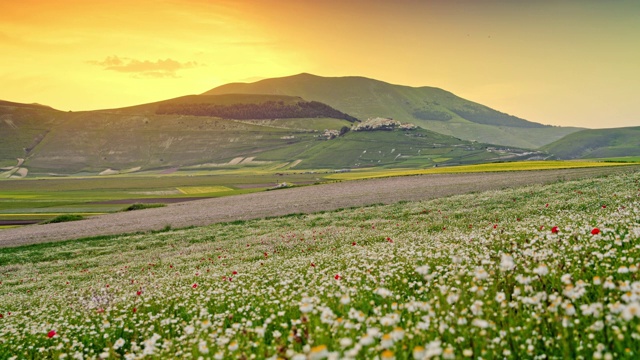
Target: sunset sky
(574,63)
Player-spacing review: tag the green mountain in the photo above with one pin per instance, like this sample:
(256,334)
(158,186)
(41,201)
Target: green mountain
(597,143)
(214,131)
(430,108)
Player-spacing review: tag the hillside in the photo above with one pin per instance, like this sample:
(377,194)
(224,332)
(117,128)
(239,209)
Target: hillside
(427,107)
(543,271)
(597,143)
(174,134)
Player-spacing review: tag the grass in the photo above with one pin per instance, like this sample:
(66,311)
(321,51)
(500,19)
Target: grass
(489,167)
(365,98)
(43,199)
(148,142)
(193,190)
(631,159)
(64,218)
(134,207)
(541,271)
(598,143)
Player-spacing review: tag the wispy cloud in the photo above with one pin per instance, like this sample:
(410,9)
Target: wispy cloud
(144,68)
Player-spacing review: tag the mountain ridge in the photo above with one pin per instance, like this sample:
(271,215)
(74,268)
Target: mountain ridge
(429,107)
(597,143)
(49,141)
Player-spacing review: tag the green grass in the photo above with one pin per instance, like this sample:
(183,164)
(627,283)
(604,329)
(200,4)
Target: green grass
(64,218)
(134,207)
(135,139)
(365,98)
(43,199)
(490,167)
(598,143)
(515,273)
(631,159)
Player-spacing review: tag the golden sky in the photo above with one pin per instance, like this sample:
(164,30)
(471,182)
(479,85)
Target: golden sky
(563,62)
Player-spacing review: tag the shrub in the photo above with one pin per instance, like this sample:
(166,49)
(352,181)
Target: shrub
(133,207)
(64,218)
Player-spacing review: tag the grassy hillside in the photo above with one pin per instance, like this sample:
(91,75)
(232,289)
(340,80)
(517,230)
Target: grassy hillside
(404,149)
(52,141)
(22,128)
(428,107)
(148,137)
(597,143)
(537,272)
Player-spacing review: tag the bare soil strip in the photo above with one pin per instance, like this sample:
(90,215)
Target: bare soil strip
(294,200)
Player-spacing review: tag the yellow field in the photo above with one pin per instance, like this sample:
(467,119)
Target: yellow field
(10,196)
(495,167)
(194,190)
(50,214)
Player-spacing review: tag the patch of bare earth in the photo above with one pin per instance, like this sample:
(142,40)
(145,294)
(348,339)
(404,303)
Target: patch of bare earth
(294,200)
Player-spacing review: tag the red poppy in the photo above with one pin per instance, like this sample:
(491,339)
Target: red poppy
(595,231)
(51,334)
(1,316)
(139,292)
(235,272)
(134,310)
(194,286)
(604,206)
(554,230)
(389,240)
(353,243)
(495,226)
(337,277)
(313,265)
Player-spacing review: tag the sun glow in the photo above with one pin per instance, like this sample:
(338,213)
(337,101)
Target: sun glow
(569,63)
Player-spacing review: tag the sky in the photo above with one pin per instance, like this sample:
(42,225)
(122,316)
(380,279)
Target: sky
(567,63)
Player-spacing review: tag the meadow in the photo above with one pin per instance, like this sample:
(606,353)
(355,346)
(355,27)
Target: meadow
(477,168)
(40,199)
(34,200)
(534,272)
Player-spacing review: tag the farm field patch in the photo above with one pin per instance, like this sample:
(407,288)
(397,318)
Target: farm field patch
(489,167)
(111,194)
(518,273)
(194,190)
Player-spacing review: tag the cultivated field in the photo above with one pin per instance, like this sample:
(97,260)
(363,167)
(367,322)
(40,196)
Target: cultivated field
(284,201)
(34,200)
(533,272)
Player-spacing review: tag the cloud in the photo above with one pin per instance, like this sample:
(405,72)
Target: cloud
(144,68)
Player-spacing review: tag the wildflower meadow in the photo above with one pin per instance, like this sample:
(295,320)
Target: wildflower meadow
(543,272)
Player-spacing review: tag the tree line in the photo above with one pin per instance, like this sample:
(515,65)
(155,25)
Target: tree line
(265,110)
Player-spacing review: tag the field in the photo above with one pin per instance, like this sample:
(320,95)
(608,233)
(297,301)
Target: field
(28,201)
(534,272)
(489,167)
(40,199)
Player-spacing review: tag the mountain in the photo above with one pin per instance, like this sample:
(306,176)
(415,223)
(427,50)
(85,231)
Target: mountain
(217,131)
(428,107)
(597,143)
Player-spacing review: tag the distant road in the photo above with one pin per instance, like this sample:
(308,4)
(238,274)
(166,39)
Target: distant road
(306,199)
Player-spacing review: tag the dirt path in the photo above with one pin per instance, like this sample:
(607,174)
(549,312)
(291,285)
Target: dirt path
(296,200)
